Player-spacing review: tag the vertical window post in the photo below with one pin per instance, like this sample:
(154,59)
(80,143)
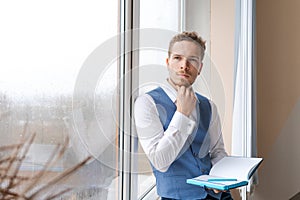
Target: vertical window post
(129,24)
(244,113)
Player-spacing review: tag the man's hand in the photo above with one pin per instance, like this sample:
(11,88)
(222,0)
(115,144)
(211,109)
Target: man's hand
(186,100)
(217,191)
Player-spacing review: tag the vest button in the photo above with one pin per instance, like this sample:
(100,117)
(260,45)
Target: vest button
(195,155)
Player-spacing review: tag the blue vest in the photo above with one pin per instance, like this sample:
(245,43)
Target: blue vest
(190,162)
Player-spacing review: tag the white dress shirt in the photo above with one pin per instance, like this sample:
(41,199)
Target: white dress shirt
(162,147)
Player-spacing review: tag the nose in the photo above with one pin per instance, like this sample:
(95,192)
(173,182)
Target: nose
(184,64)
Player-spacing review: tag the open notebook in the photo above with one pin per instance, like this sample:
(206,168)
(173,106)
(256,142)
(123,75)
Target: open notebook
(230,172)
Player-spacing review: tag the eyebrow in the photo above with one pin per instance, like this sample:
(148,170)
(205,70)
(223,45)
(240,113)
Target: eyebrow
(176,54)
(194,57)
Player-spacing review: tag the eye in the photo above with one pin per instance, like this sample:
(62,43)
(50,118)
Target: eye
(193,62)
(176,57)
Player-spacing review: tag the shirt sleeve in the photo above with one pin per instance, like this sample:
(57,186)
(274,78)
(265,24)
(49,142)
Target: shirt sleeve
(161,147)
(217,149)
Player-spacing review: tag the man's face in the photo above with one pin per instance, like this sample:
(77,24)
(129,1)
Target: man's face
(184,63)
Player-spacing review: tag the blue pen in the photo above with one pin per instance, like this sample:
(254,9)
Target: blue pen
(222,179)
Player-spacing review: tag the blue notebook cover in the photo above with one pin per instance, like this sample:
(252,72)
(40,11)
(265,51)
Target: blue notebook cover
(204,181)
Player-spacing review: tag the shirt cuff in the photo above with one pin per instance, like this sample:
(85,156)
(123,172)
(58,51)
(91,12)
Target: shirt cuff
(182,123)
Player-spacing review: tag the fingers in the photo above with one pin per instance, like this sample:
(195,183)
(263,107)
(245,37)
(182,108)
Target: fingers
(185,90)
(185,100)
(217,191)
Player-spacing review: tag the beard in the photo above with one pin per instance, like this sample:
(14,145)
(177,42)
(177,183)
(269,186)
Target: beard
(179,81)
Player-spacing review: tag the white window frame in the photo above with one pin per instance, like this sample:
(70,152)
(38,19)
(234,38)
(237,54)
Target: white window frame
(129,80)
(244,111)
(129,12)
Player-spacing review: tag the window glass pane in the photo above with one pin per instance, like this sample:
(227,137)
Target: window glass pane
(163,16)
(44,45)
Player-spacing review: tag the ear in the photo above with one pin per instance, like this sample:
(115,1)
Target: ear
(167,62)
(200,68)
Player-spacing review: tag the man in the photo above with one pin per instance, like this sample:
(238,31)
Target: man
(180,130)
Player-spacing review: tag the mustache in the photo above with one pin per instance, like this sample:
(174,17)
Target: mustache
(182,73)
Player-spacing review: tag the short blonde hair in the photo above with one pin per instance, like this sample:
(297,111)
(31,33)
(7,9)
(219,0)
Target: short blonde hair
(188,36)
